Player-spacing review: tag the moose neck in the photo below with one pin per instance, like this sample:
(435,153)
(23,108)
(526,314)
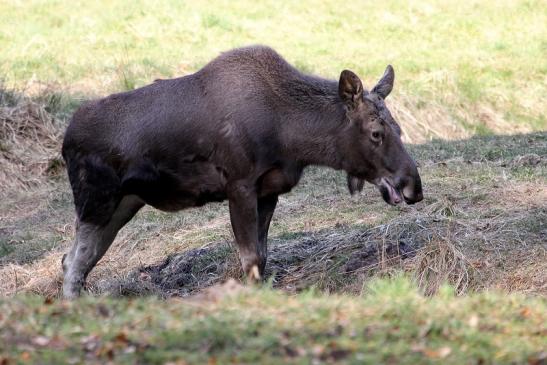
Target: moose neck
(314,122)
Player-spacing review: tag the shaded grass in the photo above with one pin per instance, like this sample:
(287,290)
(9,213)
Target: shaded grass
(482,148)
(391,322)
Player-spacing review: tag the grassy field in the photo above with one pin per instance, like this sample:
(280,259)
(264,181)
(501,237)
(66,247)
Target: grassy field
(458,278)
(392,324)
(477,67)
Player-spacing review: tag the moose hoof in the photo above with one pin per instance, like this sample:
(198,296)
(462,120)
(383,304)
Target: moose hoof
(70,293)
(72,286)
(253,275)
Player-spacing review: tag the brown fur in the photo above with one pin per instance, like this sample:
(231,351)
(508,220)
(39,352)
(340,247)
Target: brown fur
(243,128)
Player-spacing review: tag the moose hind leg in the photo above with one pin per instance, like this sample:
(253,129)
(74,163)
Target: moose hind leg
(92,241)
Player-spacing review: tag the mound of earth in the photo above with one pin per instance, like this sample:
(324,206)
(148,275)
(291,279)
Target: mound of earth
(292,263)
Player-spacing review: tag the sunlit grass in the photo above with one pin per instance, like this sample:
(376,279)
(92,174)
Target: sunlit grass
(459,55)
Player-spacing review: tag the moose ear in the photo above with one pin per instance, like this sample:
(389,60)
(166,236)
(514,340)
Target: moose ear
(385,85)
(350,88)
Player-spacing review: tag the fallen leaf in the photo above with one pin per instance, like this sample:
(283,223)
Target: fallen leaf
(40,341)
(121,337)
(538,359)
(439,353)
(525,312)
(473,321)
(105,351)
(25,356)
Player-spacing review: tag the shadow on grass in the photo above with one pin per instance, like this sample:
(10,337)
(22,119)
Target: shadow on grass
(483,148)
(340,259)
(336,253)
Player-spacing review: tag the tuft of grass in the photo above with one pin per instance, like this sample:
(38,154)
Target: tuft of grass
(30,139)
(6,247)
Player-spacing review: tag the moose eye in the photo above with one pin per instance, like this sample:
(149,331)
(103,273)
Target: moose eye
(376,136)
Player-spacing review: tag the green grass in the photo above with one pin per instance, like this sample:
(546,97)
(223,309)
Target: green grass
(481,65)
(458,55)
(390,323)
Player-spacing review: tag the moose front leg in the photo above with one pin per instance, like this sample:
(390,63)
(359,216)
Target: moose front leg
(266,207)
(244,218)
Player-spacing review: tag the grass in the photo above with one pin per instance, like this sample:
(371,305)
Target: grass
(482,148)
(390,323)
(459,278)
(481,66)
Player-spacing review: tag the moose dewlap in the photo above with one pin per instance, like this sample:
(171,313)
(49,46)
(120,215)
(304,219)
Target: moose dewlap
(242,128)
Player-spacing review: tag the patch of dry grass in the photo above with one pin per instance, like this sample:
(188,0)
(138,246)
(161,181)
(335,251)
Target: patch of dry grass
(436,120)
(439,262)
(448,240)
(29,143)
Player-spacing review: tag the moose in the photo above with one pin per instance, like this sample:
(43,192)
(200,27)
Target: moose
(242,129)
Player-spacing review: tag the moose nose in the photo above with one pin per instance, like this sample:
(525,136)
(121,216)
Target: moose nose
(412,192)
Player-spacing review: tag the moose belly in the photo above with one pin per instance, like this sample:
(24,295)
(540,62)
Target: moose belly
(192,185)
(277,181)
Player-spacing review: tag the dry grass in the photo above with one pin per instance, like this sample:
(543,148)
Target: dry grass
(440,262)
(451,239)
(445,241)
(526,273)
(29,143)
(436,120)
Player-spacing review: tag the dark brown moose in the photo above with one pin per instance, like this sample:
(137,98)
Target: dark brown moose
(242,128)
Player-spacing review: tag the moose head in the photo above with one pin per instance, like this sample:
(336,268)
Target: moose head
(374,149)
